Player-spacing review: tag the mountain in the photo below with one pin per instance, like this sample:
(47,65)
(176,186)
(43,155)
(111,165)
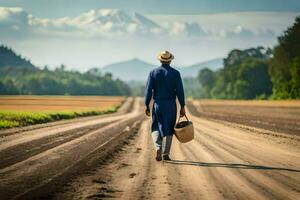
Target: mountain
(8,58)
(130,70)
(118,21)
(145,21)
(192,70)
(138,70)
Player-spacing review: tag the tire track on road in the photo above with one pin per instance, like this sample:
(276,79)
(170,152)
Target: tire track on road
(222,147)
(16,149)
(252,179)
(25,177)
(227,183)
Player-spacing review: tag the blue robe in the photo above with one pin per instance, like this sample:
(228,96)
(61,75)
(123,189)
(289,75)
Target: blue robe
(164,84)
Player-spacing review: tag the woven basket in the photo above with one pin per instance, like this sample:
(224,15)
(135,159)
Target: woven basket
(184,130)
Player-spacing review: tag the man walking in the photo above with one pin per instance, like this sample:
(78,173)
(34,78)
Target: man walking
(164,84)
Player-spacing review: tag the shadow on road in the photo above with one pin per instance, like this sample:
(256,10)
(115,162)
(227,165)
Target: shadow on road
(232,165)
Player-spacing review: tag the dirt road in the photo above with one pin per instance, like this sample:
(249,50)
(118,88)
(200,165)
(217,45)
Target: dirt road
(224,161)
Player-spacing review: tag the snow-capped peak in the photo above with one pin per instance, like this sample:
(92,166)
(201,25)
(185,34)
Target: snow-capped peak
(101,22)
(105,12)
(145,21)
(114,16)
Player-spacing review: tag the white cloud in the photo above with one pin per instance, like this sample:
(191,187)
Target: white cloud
(177,28)
(89,38)
(257,22)
(13,23)
(105,23)
(132,28)
(185,29)
(238,32)
(114,22)
(12,16)
(238,29)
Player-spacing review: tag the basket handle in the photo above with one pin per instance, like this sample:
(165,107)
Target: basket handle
(181,117)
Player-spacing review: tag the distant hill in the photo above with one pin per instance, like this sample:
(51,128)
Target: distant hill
(134,69)
(192,71)
(138,70)
(19,76)
(8,58)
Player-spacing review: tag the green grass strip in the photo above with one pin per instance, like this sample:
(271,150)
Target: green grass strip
(9,119)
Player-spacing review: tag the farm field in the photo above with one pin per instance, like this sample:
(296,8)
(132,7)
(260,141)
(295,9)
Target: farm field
(111,156)
(280,116)
(58,103)
(28,110)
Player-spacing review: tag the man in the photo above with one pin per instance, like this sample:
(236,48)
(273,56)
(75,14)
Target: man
(164,84)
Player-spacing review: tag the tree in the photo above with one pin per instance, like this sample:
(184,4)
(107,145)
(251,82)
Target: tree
(244,76)
(284,66)
(206,77)
(8,87)
(252,80)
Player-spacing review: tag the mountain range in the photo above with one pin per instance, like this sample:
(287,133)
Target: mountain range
(138,70)
(9,58)
(131,70)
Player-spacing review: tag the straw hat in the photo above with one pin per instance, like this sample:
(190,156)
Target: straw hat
(165,56)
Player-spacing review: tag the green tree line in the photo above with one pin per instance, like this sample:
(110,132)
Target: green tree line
(258,73)
(19,76)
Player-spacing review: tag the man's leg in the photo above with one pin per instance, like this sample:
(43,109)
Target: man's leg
(167,142)
(157,140)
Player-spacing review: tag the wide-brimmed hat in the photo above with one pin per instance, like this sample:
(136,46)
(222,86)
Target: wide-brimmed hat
(165,56)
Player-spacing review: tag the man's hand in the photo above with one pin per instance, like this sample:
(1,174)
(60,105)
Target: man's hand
(182,112)
(147,112)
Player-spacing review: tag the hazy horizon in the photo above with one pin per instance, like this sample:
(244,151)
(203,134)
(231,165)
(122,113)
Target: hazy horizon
(99,33)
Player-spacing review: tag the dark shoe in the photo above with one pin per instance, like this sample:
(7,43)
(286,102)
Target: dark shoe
(166,157)
(158,155)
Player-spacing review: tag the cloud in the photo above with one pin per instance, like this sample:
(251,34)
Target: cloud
(238,32)
(13,22)
(194,29)
(103,22)
(241,31)
(185,29)
(89,38)
(95,23)
(267,33)
(14,18)
(117,24)
(177,28)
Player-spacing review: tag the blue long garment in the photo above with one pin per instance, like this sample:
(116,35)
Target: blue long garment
(164,84)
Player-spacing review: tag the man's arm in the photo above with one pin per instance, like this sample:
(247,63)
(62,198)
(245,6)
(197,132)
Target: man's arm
(148,93)
(180,91)
(180,95)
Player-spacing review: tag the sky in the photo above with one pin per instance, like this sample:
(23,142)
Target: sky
(93,33)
